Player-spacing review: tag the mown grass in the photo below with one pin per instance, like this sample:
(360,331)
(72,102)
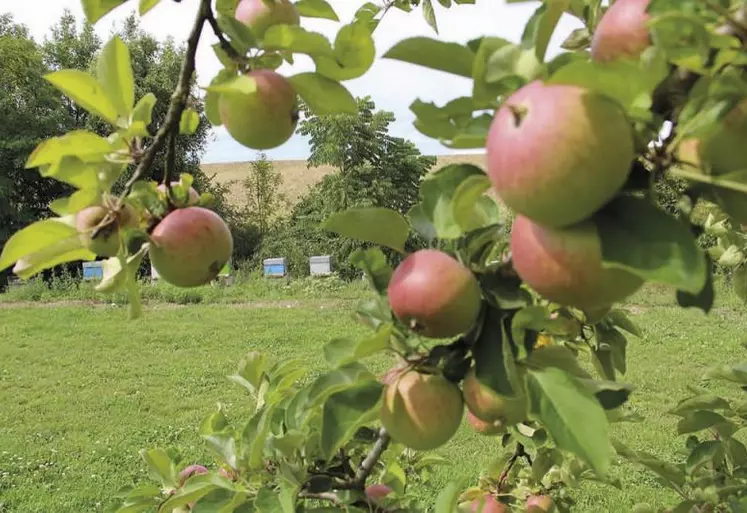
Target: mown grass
(82,390)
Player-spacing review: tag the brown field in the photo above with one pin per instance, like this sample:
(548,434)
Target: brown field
(297,177)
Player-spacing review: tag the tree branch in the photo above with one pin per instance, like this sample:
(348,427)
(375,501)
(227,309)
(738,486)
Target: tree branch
(321,496)
(368,464)
(735,24)
(519,452)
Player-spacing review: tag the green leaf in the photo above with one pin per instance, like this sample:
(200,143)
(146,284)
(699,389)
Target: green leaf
(434,54)
(373,262)
(572,415)
(610,394)
(672,475)
(698,421)
(494,361)
(557,356)
(354,53)
(241,36)
(347,410)
(316,9)
(117,275)
(438,190)
(255,435)
(84,90)
(710,451)
(199,487)
(189,122)
(640,238)
(734,373)
(240,84)
(43,245)
(323,95)
(147,5)
(341,351)
(114,73)
(469,209)
(337,380)
(142,114)
(620,319)
(542,25)
(295,39)
(703,299)
(75,202)
(374,224)
(160,466)
(97,9)
(699,402)
(739,282)
(429,15)
(84,145)
(446,501)
(421,223)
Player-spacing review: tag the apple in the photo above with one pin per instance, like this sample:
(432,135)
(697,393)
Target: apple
(557,153)
(540,504)
(422,411)
(434,294)
(190,246)
(264,118)
(485,504)
(106,243)
(483,427)
(193,199)
(259,15)
(564,265)
(622,31)
(377,492)
(191,471)
(489,406)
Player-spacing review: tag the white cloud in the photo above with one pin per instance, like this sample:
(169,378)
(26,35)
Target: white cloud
(392,85)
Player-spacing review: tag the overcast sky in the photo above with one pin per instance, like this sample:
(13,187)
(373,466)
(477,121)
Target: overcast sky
(392,85)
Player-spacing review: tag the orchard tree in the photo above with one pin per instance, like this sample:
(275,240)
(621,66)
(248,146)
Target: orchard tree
(575,147)
(264,200)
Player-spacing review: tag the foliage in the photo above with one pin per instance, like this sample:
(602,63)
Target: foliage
(264,201)
(312,441)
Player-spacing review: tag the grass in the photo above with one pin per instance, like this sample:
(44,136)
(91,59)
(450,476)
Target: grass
(81,391)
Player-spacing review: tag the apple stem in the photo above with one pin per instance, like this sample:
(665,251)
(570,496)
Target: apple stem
(519,113)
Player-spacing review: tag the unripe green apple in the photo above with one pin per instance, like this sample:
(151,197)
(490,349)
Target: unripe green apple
(106,243)
(377,492)
(557,153)
(540,504)
(190,246)
(193,198)
(622,31)
(487,405)
(434,294)
(483,427)
(422,411)
(265,118)
(564,265)
(259,15)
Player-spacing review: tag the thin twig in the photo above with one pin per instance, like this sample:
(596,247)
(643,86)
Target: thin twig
(734,23)
(321,496)
(225,44)
(368,464)
(519,452)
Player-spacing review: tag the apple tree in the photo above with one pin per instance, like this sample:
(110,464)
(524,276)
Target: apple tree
(646,90)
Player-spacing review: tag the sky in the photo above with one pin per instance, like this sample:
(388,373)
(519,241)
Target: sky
(393,85)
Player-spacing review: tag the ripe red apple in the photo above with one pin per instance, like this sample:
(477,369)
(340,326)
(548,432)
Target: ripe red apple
(193,199)
(377,492)
(564,265)
(422,411)
(265,118)
(485,428)
(190,246)
(434,294)
(191,471)
(106,243)
(485,504)
(489,406)
(622,31)
(557,153)
(259,15)
(540,504)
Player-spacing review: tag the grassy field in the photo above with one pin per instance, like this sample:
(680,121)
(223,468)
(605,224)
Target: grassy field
(81,391)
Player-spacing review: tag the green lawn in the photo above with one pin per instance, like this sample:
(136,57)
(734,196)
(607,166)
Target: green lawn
(81,391)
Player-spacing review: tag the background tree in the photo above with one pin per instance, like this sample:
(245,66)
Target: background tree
(264,200)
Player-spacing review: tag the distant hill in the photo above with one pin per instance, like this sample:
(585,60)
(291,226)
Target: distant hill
(298,178)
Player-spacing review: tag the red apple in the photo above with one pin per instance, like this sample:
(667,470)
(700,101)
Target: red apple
(557,153)
(259,15)
(377,492)
(622,31)
(485,428)
(422,411)
(191,471)
(434,294)
(106,243)
(564,265)
(265,118)
(487,504)
(540,504)
(190,246)
(489,406)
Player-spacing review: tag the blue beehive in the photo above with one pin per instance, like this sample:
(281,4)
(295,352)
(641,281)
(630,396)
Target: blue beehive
(274,267)
(92,271)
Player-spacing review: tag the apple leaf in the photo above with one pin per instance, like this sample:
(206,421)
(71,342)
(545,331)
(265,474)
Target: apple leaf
(446,501)
(160,466)
(541,25)
(434,54)
(472,209)
(494,360)
(189,122)
(341,351)
(143,113)
(640,238)
(374,224)
(147,5)
(97,9)
(698,421)
(345,411)
(293,38)
(84,90)
(42,245)
(316,9)
(671,474)
(373,262)
(739,282)
(323,95)
(572,415)
(354,53)
(114,73)
(438,190)
(337,380)
(78,143)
